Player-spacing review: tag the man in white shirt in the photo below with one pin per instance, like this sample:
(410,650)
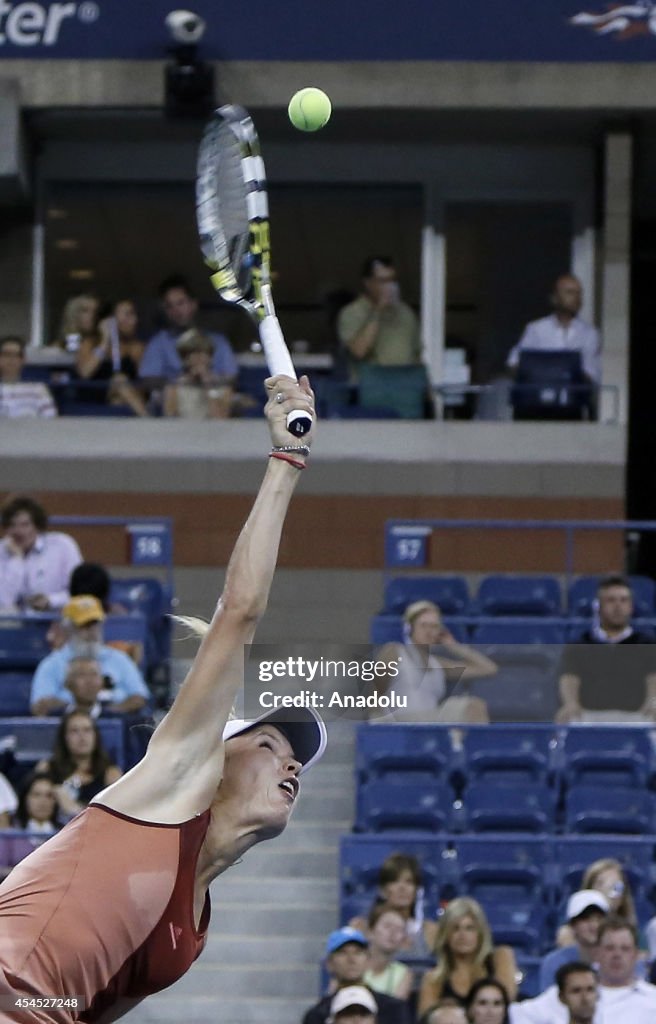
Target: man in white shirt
(563,330)
(35,564)
(21,398)
(623,998)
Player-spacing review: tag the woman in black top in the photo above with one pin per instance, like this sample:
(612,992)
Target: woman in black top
(80,766)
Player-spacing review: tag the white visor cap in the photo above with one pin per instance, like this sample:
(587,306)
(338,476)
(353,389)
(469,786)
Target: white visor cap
(303,727)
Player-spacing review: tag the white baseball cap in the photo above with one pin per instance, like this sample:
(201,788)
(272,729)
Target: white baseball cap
(583,900)
(303,727)
(353,995)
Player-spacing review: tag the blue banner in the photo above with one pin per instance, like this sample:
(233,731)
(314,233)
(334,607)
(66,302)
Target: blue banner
(337,30)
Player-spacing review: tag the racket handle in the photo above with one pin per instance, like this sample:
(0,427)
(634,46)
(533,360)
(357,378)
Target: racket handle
(279,361)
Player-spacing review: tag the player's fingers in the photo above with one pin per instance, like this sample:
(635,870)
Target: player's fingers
(304,384)
(278,381)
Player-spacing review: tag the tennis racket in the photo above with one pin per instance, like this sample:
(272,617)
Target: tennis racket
(233,224)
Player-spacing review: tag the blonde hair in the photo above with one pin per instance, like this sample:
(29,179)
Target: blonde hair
(418,608)
(199,628)
(71,313)
(454,912)
(626,906)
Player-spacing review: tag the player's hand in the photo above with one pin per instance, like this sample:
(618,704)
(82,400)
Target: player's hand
(286,395)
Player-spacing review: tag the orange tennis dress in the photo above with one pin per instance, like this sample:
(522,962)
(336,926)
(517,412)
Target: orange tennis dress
(103,910)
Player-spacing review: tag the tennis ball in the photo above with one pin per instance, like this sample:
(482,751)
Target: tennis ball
(309,109)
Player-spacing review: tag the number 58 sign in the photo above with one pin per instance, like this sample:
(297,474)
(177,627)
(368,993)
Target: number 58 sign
(150,543)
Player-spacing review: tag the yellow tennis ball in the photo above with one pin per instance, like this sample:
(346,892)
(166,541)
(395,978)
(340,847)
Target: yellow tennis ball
(309,109)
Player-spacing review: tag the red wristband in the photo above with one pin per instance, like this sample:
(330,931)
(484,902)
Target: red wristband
(287,458)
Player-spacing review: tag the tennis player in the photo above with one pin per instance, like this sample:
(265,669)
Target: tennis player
(116,906)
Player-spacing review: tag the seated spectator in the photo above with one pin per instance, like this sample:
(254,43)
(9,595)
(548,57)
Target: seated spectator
(563,329)
(623,997)
(378,327)
(464,954)
(447,1011)
(161,361)
(85,682)
(400,887)
(82,618)
(79,324)
(92,578)
(37,809)
(8,802)
(353,1005)
(199,393)
(579,938)
(131,345)
(346,961)
(578,991)
(606,876)
(487,1003)
(79,766)
(387,934)
(21,398)
(35,563)
(609,675)
(424,674)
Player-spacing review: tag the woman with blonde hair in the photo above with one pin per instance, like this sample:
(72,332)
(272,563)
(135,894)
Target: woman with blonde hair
(606,875)
(465,953)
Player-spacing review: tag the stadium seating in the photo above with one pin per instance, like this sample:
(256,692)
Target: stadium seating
(23,640)
(518,595)
(362,855)
(509,753)
(503,868)
(603,754)
(34,738)
(449,593)
(573,854)
(490,806)
(609,809)
(394,749)
(15,693)
(520,925)
(411,805)
(148,597)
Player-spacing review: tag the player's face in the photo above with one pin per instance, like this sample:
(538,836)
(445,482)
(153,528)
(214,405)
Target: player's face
(179,307)
(426,629)
(388,933)
(464,937)
(22,531)
(401,893)
(488,1007)
(615,607)
(348,963)
(617,957)
(261,772)
(580,996)
(80,736)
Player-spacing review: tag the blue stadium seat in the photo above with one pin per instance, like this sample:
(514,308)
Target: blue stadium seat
(23,640)
(519,595)
(583,591)
(520,925)
(525,687)
(490,806)
(508,753)
(608,754)
(449,593)
(521,633)
(573,854)
(35,737)
(385,629)
(529,968)
(609,809)
(15,693)
(504,868)
(361,857)
(131,629)
(383,750)
(152,599)
(403,805)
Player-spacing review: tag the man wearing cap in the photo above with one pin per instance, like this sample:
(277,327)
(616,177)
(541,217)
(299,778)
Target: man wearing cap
(585,913)
(354,1004)
(346,961)
(82,620)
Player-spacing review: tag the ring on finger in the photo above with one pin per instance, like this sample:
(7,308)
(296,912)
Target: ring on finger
(280,397)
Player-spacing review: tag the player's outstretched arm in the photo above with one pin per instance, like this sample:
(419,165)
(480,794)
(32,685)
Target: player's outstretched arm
(182,767)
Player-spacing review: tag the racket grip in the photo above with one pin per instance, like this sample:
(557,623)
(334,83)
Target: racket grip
(279,361)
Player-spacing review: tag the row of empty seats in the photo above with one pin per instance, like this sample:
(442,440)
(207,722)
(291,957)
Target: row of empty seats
(508,594)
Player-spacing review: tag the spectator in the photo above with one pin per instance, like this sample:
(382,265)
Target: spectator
(623,997)
(79,766)
(37,805)
(131,345)
(586,911)
(105,356)
(400,887)
(377,327)
(161,361)
(387,935)
(464,953)
(607,877)
(346,953)
(92,578)
(353,1005)
(85,682)
(487,1003)
(35,564)
(563,329)
(198,394)
(19,398)
(83,617)
(8,802)
(447,1011)
(578,991)
(79,324)
(609,675)
(424,674)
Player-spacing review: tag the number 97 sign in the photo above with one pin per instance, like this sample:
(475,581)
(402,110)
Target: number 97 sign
(406,546)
